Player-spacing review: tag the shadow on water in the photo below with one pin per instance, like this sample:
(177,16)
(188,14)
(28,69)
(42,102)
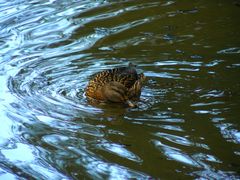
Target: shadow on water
(186,123)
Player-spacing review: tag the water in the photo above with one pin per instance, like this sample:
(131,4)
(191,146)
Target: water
(187,122)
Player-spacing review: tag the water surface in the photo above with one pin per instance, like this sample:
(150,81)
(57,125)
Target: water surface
(186,124)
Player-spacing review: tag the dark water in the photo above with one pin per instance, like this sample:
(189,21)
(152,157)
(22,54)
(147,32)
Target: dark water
(187,123)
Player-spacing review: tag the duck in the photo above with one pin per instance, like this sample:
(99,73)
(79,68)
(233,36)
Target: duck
(118,85)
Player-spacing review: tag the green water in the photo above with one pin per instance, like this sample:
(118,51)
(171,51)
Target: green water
(186,125)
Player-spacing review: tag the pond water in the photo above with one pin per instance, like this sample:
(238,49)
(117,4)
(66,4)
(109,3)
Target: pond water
(186,125)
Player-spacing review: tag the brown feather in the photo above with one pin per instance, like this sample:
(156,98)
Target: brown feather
(116,85)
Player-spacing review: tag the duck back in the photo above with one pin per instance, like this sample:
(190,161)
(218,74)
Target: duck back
(112,81)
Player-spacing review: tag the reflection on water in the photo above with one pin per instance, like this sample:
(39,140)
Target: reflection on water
(186,124)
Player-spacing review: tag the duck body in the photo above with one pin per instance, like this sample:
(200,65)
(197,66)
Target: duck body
(120,85)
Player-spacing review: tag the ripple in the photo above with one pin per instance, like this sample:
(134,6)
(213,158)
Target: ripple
(23,153)
(207,104)
(162,75)
(229,132)
(214,63)
(174,63)
(45,85)
(174,139)
(17,153)
(233,50)
(99,168)
(176,154)
(212,94)
(119,150)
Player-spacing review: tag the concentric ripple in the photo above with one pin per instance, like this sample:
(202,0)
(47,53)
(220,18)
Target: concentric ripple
(45,87)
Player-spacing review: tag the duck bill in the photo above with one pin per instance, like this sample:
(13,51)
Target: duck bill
(131,104)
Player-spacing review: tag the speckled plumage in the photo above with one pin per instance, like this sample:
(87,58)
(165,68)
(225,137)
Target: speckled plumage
(121,84)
